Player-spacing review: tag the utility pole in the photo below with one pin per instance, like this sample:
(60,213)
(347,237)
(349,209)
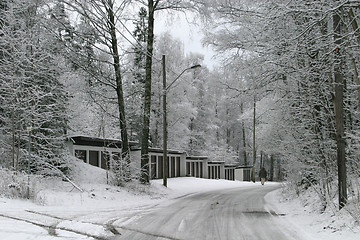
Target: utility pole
(165,132)
(165,163)
(29,129)
(339,112)
(254,147)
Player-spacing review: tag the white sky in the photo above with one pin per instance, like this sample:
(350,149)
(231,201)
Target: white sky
(178,24)
(190,34)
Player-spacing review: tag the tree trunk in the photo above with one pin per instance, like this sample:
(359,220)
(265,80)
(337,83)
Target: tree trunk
(191,128)
(165,137)
(279,172)
(13,134)
(339,113)
(243,137)
(119,91)
(147,95)
(271,172)
(228,133)
(357,79)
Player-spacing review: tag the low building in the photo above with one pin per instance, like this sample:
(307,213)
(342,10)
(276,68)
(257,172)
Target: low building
(243,173)
(100,152)
(230,171)
(216,170)
(95,151)
(175,160)
(196,166)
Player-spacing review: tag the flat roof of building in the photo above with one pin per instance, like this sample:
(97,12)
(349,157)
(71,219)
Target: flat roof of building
(97,142)
(243,167)
(234,165)
(216,162)
(160,150)
(197,157)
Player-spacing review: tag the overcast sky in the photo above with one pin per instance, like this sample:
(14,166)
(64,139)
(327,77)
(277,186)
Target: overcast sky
(188,33)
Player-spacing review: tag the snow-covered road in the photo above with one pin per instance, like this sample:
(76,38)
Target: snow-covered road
(189,208)
(238,213)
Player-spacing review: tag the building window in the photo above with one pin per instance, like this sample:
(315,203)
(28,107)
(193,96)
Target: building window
(197,169)
(188,171)
(94,158)
(160,166)
(173,166)
(168,166)
(192,169)
(246,174)
(178,166)
(81,154)
(153,167)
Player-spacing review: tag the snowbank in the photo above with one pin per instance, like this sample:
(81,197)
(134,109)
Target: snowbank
(303,214)
(84,215)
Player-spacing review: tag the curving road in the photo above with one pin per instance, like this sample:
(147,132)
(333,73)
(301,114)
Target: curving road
(239,214)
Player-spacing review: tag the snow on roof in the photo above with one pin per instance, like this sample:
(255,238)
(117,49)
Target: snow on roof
(216,162)
(160,150)
(197,157)
(244,166)
(91,141)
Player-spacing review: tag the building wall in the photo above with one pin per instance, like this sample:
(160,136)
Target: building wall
(230,173)
(179,165)
(242,174)
(216,170)
(239,174)
(176,163)
(96,156)
(196,168)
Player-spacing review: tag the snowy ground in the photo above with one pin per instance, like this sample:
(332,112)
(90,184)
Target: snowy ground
(304,213)
(62,211)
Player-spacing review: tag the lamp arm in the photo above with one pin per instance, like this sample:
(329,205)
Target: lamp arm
(177,78)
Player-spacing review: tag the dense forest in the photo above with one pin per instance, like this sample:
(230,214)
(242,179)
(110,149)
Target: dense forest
(286,91)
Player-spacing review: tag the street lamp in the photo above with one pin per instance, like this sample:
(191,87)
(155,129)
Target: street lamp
(165,89)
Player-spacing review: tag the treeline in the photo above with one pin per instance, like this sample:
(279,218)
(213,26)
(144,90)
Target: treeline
(76,67)
(301,59)
(33,98)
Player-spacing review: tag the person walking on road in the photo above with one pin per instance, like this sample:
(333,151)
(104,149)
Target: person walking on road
(262,175)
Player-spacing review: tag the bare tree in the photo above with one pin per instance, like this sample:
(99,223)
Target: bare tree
(339,111)
(103,16)
(152,6)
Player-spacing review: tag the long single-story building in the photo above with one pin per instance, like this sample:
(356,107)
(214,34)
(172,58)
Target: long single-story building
(95,151)
(230,171)
(196,166)
(243,173)
(98,152)
(175,161)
